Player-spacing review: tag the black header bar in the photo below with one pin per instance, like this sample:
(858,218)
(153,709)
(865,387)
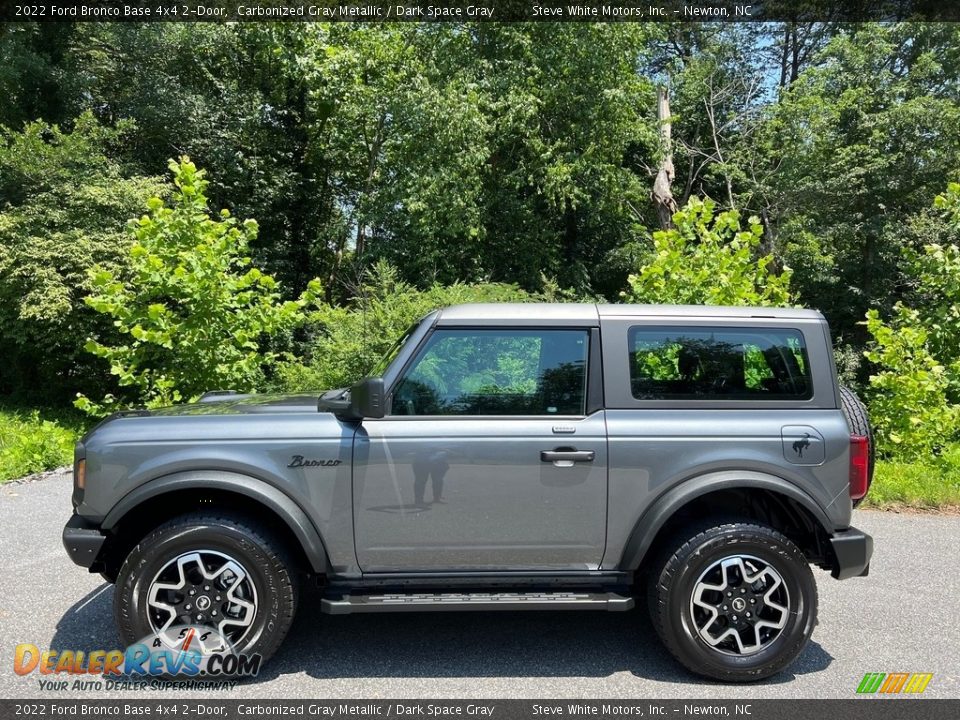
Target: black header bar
(480,11)
(173,706)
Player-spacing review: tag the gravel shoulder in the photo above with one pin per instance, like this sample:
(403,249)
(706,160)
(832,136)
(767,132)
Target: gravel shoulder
(902,618)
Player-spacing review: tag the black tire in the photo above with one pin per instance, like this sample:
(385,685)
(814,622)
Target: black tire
(261,555)
(675,575)
(859,421)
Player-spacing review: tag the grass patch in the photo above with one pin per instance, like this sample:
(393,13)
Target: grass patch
(929,485)
(36,440)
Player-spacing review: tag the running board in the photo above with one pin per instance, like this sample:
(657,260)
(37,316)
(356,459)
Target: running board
(430,602)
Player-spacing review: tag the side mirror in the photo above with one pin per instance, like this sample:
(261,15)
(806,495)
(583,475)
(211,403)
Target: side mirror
(368,399)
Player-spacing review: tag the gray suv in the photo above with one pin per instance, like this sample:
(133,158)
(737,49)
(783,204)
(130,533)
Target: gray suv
(503,457)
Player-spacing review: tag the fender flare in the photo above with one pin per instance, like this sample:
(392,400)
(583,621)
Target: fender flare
(663,508)
(276,500)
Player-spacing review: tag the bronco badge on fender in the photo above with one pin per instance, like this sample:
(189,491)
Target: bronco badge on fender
(298,461)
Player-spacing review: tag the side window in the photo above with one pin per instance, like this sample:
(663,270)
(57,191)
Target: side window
(699,363)
(496,372)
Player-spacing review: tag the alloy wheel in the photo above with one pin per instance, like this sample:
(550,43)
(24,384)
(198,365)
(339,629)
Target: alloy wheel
(739,605)
(203,588)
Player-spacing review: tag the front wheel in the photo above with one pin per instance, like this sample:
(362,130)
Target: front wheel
(734,602)
(224,575)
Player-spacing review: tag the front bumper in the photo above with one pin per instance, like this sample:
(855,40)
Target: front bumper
(852,550)
(82,541)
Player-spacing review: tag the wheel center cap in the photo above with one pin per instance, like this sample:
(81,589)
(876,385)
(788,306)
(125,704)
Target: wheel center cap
(203,602)
(738,604)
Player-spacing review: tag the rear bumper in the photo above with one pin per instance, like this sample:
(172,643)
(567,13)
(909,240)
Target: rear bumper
(82,541)
(852,550)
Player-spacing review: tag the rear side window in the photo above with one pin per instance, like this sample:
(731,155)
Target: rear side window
(703,363)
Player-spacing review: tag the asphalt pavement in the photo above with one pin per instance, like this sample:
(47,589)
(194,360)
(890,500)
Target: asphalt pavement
(902,618)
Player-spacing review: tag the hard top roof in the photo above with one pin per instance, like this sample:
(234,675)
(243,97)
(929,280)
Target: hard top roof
(590,313)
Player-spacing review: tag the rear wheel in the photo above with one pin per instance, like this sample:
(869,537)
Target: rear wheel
(202,570)
(734,601)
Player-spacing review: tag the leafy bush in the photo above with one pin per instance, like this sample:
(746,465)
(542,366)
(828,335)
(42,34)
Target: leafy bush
(63,207)
(915,404)
(949,203)
(909,408)
(347,342)
(30,444)
(709,259)
(194,314)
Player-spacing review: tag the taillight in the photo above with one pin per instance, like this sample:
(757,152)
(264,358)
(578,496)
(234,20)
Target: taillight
(79,473)
(859,466)
(80,479)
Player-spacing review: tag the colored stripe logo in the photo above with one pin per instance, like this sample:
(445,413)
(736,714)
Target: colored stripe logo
(894,683)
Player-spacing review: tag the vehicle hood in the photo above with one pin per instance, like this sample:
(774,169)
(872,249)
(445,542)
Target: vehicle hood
(240,405)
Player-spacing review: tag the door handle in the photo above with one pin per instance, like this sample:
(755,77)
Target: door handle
(567,457)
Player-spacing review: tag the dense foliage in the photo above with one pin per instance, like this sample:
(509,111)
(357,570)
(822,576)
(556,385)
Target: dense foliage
(192,312)
(346,342)
(916,403)
(708,259)
(63,207)
(394,168)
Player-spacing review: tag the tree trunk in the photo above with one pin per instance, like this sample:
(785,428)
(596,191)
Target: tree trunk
(662,195)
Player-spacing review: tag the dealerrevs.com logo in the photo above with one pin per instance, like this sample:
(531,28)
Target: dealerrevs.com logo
(894,683)
(179,653)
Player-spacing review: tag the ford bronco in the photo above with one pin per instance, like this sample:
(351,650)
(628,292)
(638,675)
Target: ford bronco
(503,457)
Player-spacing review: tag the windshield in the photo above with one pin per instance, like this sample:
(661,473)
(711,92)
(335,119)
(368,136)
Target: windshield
(381,367)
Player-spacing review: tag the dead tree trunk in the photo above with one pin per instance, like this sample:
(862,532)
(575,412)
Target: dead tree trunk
(662,194)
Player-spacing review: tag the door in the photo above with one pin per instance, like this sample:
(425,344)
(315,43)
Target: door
(487,459)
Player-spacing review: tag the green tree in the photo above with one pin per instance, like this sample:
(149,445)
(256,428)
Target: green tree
(346,342)
(909,408)
(33,72)
(862,141)
(915,401)
(194,313)
(949,203)
(478,152)
(63,206)
(233,97)
(708,258)
(397,126)
(573,127)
